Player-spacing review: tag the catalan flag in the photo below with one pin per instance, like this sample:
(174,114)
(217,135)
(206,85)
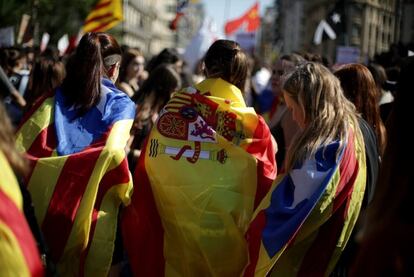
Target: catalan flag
(19,255)
(104,15)
(79,177)
(208,162)
(304,223)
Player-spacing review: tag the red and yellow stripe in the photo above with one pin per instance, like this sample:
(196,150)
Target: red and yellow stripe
(191,218)
(76,197)
(19,255)
(327,228)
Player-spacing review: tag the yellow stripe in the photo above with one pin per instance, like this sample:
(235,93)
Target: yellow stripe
(42,183)
(192,219)
(100,253)
(356,199)
(12,261)
(111,156)
(288,262)
(8,182)
(42,118)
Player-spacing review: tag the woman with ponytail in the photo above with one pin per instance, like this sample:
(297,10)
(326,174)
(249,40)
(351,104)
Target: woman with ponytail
(75,138)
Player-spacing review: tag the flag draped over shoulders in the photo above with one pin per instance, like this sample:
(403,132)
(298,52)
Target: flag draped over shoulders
(303,224)
(79,176)
(207,163)
(19,255)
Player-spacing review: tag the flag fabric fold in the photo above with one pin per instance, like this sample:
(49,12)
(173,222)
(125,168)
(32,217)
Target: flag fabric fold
(19,255)
(79,176)
(208,162)
(303,224)
(103,16)
(250,21)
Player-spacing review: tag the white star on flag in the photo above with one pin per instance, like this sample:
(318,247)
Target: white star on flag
(336,18)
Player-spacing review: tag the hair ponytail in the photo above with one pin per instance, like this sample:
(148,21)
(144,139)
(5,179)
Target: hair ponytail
(82,85)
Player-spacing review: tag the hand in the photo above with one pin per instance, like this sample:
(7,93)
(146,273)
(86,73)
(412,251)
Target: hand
(18,98)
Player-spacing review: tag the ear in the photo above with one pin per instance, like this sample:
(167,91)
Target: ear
(111,71)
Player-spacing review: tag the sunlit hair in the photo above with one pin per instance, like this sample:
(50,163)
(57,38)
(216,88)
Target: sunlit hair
(328,114)
(359,87)
(225,59)
(95,53)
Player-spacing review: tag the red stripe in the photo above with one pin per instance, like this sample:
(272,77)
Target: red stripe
(14,219)
(42,146)
(100,17)
(264,152)
(66,198)
(102,5)
(116,176)
(102,27)
(314,263)
(254,240)
(34,108)
(142,229)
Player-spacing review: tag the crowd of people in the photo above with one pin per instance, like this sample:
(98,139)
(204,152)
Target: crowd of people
(118,164)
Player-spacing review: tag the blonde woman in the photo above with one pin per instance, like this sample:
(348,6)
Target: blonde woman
(303,224)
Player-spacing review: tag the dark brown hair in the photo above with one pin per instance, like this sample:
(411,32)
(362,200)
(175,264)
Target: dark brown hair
(82,85)
(46,75)
(162,81)
(360,88)
(225,59)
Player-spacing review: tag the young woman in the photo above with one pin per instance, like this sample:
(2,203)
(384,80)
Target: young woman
(151,98)
(302,225)
(208,161)
(359,87)
(131,71)
(75,140)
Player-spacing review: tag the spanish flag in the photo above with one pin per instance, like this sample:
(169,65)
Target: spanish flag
(19,255)
(79,177)
(104,15)
(304,223)
(207,163)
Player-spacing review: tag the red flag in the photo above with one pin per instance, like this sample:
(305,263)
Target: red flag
(250,19)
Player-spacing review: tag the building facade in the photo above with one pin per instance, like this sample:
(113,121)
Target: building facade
(146,25)
(372,26)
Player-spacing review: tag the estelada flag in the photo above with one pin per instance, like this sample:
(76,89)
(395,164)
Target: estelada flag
(250,21)
(302,226)
(208,162)
(19,255)
(104,15)
(79,176)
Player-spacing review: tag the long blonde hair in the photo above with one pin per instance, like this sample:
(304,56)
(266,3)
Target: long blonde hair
(328,114)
